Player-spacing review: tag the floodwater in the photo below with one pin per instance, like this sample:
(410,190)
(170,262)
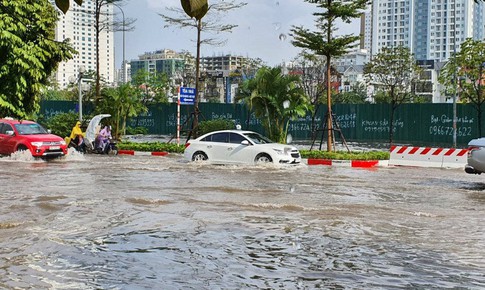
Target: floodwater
(141,222)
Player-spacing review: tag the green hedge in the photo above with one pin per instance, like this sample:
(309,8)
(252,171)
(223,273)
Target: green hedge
(344,155)
(151,147)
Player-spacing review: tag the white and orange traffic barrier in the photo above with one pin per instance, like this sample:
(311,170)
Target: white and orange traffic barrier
(427,157)
(141,153)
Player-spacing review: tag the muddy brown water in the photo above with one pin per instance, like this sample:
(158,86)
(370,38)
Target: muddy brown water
(141,222)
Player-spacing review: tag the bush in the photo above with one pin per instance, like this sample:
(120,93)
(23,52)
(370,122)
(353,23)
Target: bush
(61,124)
(215,125)
(344,155)
(152,147)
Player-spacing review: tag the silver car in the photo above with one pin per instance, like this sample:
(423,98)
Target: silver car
(239,147)
(476,156)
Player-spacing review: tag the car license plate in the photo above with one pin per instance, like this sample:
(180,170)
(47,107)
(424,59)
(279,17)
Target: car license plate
(54,147)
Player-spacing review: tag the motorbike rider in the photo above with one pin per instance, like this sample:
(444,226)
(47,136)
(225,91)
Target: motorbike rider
(77,137)
(104,137)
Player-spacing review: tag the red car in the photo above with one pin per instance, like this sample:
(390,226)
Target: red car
(18,135)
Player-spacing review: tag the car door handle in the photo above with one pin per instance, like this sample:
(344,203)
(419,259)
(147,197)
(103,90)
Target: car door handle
(229,149)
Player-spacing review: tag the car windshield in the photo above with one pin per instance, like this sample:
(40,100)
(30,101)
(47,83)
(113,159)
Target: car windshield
(257,138)
(30,129)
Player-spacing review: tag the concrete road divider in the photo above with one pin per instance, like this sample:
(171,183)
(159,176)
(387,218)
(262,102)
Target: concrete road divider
(428,157)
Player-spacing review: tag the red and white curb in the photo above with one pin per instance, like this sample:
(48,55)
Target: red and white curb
(141,153)
(328,162)
(349,163)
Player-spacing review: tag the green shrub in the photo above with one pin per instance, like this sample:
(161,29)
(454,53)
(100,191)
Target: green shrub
(61,124)
(215,125)
(344,155)
(151,147)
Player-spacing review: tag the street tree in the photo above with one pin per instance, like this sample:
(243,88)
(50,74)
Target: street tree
(102,22)
(356,95)
(28,54)
(121,103)
(312,71)
(324,41)
(394,72)
(191,16)
(468,68)
(275,99)
(152,88)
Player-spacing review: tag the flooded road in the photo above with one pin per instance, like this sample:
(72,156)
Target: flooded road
(141,222)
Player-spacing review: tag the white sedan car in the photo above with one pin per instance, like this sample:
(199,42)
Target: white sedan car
(239,147)
(476,156)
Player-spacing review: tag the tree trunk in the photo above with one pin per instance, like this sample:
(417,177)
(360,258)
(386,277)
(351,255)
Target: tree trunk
(329,108)
(480,102)
(391,122)
(195,123)
(479,113)
(98,31)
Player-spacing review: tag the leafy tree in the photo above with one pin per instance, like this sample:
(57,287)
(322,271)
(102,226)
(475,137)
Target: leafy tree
(121,103)
(61,124)
(356,95)
(275,99)
(324,42)
(29,54)
(191,17)
(101,23)
(393,71)
(468,67)
(152,87)
(57,95)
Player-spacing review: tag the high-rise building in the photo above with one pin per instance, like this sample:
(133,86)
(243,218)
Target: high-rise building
(432,29)
(161,61)
(366,31)
(124,73)
(78,26)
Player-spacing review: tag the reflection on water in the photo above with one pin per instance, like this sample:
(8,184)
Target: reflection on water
(136,222)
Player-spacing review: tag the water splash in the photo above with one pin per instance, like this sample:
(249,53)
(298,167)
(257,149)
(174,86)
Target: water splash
(74,155)
(25,156)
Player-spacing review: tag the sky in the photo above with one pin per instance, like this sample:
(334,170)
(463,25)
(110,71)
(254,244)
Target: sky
(262,32)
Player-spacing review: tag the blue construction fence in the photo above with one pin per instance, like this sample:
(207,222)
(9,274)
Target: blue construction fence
(417,124)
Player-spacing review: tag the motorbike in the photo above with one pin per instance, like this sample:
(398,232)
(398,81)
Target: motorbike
(108,148)
(90,144)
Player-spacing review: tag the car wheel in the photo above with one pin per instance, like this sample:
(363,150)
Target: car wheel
(199,156)
(263,158)
(22,148)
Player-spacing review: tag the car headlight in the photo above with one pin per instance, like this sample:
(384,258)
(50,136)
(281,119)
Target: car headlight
(36,144)
(278,151)
(63,142)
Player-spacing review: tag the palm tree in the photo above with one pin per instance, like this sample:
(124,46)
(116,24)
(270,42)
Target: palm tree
(275,99)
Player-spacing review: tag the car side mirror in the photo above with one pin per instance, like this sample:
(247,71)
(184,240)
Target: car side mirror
(9,132)
(245,142)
